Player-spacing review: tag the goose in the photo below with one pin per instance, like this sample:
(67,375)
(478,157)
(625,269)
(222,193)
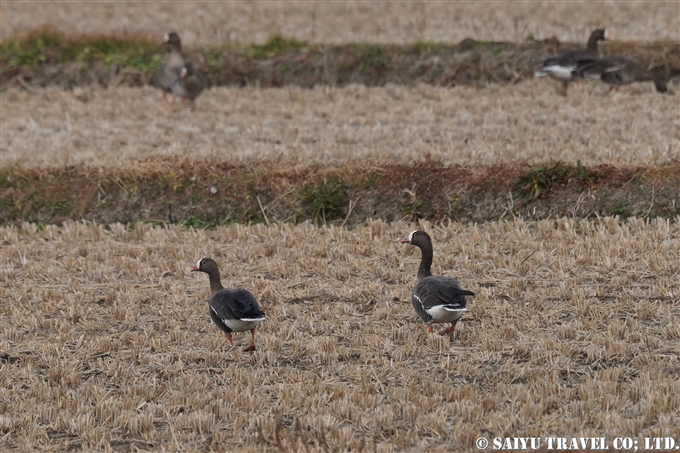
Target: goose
(166,77)
(233,310)
(561,67)
(436,299)
(189,84)
(618,70)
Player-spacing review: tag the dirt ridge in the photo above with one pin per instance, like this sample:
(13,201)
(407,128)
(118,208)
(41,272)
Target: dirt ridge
(55,60)
(205,194)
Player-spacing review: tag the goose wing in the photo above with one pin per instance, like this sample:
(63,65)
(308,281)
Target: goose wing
(570,58)
(438,291)
(194,84)
(236,304)
(616,70)
(563,65)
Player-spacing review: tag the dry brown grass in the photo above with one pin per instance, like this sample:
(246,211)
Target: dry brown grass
(106,343)
(529,122)
(202,23)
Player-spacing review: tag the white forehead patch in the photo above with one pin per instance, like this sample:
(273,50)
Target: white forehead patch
(410,236)
(166,37)
(198,264)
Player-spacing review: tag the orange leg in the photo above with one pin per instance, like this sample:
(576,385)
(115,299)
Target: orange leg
(251,347)
(230,340)
(448,330)
(565,85)
(430,329)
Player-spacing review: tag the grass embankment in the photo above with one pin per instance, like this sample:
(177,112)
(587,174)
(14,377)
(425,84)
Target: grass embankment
(49,58)
(207,194)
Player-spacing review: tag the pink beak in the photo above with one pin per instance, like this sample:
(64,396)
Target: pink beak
(405,240)
(194,269)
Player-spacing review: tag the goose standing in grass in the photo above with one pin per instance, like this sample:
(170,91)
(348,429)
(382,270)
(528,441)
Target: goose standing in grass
(620,70)
(166,77)
(233,310)
(436,299)
(189,84)
(561,67)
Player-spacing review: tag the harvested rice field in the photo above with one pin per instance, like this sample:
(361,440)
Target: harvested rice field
(107,344)
(529,123)
(336,22)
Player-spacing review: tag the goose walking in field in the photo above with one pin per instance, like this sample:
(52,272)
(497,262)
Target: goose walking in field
(619,70)
(561,67)
(436,299)
(233,310)
(166,77)
(189,84)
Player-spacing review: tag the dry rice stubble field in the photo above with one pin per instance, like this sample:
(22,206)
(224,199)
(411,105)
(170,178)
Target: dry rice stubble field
(202,23)
(529,122)
(107,345)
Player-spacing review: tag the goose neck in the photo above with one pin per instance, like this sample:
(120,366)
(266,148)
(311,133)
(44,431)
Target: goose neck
(592,45)
(215,284)
(425,262)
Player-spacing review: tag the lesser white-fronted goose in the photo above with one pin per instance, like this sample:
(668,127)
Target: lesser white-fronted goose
(561,67)
(233,310)
(618,70)
(168,75)
(436,299)
(189,84)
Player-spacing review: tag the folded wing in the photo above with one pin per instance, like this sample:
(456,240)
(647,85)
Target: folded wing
(438,293)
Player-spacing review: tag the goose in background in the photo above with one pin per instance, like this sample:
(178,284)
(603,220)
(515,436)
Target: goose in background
(561,67)
(189,84)
(169,73)
(618,70)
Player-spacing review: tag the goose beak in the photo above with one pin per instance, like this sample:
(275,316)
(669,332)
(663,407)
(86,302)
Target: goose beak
(194,269)
(405,240)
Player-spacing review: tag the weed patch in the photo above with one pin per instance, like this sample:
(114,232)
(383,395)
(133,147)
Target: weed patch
(324,200)
(372,57)
(618,208)
(275,46)
(541,180)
